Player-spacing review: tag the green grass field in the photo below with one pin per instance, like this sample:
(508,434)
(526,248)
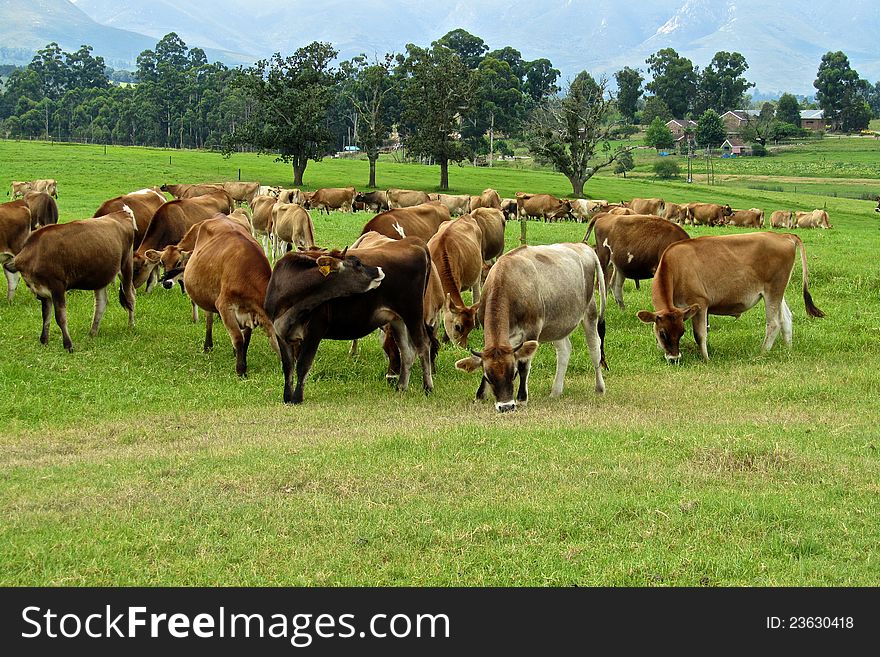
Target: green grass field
(139,460)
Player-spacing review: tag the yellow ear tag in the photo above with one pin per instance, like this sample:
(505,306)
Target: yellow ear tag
(324,269)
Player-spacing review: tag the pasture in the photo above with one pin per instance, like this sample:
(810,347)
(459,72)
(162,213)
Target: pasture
(140,460)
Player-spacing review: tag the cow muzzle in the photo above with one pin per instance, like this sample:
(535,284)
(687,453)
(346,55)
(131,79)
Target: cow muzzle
(672,359)
(504,407)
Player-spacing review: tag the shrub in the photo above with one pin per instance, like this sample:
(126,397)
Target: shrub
(666,168)
(758,150)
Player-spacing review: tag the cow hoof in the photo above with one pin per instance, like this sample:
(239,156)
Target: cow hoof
(44,339)
(69,349)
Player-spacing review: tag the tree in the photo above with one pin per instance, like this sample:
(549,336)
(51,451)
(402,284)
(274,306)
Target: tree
(624,163)
(629,90)
(674,80)
(666,168)
(541,79)
(436,98)
(840,92)
(710,129)
(659,135)
(468,47)
(764,127)
(565,132)
(292,96)
(722,86)
(514,59)
(499,101)
(788,110)
(655,108)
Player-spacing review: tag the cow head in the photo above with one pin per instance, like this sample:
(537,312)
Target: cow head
(564,210)
(727,210)
(172,260)
(141,269)
(458,320)
(668,328)
(500,366)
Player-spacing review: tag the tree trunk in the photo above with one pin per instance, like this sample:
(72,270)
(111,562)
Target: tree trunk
(299,168)
(372,158)
(577,186)
(444,174)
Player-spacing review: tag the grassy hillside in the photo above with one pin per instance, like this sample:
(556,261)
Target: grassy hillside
(140,460)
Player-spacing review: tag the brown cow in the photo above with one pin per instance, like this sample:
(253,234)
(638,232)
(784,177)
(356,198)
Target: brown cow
(242,192)
(584,209)
(416,221)
(192,191)
(676,213)
(724,275)
(707,214)
(290,196)
(456,204)
(405,198)
(331,198)
(654,206)
(782,219)
(633,244)
(456,251)
(143,203)
(508,207)
(169,225)
(488,199)
(47,185)
(291,225)
(752,218)
(812,219)
(619,210)
(15,227)
(548,207)
(492,224)
(263,207)
(44,210)
(243,218)
(374,201)
(79,255)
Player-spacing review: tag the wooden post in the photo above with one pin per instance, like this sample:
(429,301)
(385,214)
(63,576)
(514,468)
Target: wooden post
(522,231)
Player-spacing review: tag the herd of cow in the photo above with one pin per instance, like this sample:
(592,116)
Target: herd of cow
(405,273)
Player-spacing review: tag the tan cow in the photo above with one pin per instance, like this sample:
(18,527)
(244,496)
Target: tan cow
(812,219)
(707,214)
(15,227)
(508,207)
(44,210)
(619,209)
(752,218)
(655,206)
(291,226)
(724,275)
(584,209)
(331,198)
(47,185)
(456,204)
(676,213)
(405,198)
(290,196)
(545,206)
(144,203)
(488,199)
(242,192)
(243,218)
(416,221)
(492,224)
(456,251)
(20,188)
(782,219)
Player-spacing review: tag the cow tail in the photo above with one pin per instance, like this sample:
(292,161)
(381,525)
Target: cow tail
(590,228)
(600,327)
(812,310)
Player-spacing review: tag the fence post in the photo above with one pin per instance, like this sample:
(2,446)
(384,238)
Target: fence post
(169,160)
(522,230)
(239,175)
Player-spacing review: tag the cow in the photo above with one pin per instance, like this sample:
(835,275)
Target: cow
(291,225)
(20,188)
(79,255)
(633,244)
(227,273)
(15,227)
(488,199)
(619,210)
(144,203)
(331,198)
(724,275)
(243,218)
(537,294)
(457,205)
(44,210)
(584,209)
(508,207)
(492,224)
(268,190)
(192,191)
(548,207)
(405,198)
(347,297)
(655,206)
(782,219)
(47,185)
(290,196)
(707,214)
(170,224)
(456,251)
(416,221)
(676,213)
(242,192)
(752,218)
(812,219)
(373,201)
(263,207)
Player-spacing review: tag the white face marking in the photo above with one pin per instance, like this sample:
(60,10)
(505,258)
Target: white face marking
(501,405)
(375,283)
(629,257)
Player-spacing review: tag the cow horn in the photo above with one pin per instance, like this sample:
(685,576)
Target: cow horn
(344,251)
(478,354)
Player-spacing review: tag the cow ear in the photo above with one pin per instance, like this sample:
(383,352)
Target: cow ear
(470,364)
(647,316)
(184,256)
(447,302)
(152,255)
(527,350)
(690,312)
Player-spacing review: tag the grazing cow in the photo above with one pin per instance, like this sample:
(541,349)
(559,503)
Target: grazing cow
(655,206)
(416,221)
(15,227)
(537,294)
(676,213)
(169,225)
(812,219)
(488,199)
(707,214)
(264,210)
(492,224)
(331,198)
(724,275)
(290,196)
(44,210)
(291,225)
(47,185)
(549,208)
(79,255)
(405,198)
(508,207)
(144,203)
(242,192)
(309,301)
(456,251)
(374,201)
(20,188)
(268,190)
(584,209)
(633,244)
(752,218)
(782,219)
(243,218)
(457,205)
(227,273)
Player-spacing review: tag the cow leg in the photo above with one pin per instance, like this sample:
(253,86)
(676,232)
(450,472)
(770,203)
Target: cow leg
(475,291)
(46,304)
(195,313)
(700,323)
(246,336)
(152,279)
(594,344)
(11,284)
(100,308)
(563,354)
(353,350)
(786,323)
(209,331)
(773,312)
(236,335)
(481,390)
(59,300)
(389,346)
(522,394)
(617,279)
(407,352)
(308,349)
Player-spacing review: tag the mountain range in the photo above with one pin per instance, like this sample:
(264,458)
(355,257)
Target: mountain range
(782,41)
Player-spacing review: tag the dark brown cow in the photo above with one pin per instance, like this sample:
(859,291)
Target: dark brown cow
(374,201)
(707,214)
(308,303)
(169,225)
(143,203)
(331,198)
(15,227)
(405,198)
(724,275)
(545,206)
(633,244)
(80,255)
(417,221)
(44,210)
(654,206)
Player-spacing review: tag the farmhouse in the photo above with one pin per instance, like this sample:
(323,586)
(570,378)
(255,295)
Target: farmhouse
(813,120)
(736,120)
(735,146)
(679,127)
